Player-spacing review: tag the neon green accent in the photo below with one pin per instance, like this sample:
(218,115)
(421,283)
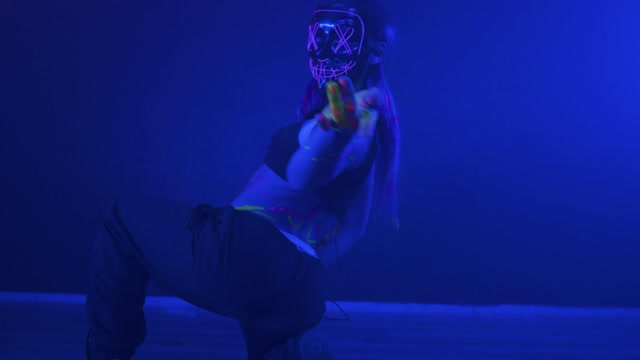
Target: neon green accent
(258,210)
(249,208)
(294,226)
(309,240)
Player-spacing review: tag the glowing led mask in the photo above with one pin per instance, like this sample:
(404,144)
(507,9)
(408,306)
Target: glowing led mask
(336,39)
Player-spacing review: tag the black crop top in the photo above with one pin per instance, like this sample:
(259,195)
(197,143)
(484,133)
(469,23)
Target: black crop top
(284,143)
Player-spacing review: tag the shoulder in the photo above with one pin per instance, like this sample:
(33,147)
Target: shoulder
(306,127)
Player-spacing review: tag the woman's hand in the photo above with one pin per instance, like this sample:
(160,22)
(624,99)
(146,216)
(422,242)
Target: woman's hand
(349,111)
(339,140)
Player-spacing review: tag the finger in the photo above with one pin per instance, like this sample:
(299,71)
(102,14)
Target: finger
(347,92)
(335,101)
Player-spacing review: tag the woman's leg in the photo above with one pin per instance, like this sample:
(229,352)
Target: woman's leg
(179,247)
(290,284)
(116,294)
(274,331)
(229,262)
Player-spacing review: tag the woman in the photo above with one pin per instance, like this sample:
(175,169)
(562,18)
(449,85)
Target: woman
(261,260)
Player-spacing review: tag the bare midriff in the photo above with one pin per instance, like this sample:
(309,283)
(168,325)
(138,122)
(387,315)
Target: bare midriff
(300,215)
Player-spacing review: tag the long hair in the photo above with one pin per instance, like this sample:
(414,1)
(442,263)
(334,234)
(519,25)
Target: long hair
(377,28)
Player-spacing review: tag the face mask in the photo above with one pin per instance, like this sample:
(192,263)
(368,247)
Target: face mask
(335,46)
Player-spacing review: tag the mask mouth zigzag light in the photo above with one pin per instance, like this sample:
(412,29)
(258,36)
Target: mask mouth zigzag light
(323,73)
(335,42)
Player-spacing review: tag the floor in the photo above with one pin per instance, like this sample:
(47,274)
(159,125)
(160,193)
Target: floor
(46,326)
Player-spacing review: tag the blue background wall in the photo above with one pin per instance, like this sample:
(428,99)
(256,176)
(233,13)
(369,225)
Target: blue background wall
(520,154)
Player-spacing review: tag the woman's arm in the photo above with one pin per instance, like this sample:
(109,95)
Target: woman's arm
(338,140)
(324,154)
